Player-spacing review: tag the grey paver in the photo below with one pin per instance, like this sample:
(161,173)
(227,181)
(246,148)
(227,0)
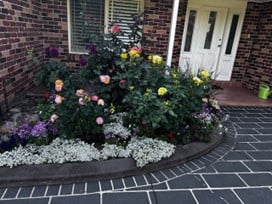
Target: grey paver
(263,138)
(230,167)
(262,146)
(261,155)
(172,197)
(237,155)
(39,191)
(140,180)
(125,198)
(106,185)
(25,192)
(79,188)
(255,195)
(129,182)
(259,165)
(265,131)
(84,199)
(117,183)
(260,179)
(187,181)
(243,146)
(216,196)
(26,201)
(92,186)
(246,138)
(53,190)
(66,189)
(224,180)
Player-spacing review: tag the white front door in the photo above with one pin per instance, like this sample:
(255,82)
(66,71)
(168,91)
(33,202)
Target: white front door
(208,39)
(210,33)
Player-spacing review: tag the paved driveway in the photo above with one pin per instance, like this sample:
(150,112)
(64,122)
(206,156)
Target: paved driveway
(237,171)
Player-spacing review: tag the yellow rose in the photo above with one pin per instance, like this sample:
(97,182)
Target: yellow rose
(59,82)
(149,57)
(197,81)
(124,56)
(156,59)
(134,54)
(204,74)
(162,91)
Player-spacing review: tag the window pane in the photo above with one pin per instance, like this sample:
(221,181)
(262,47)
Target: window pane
(87,18)
(209,35)
(232,33)
(190,31)
(121,12)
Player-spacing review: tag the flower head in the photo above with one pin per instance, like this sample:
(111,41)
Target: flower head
(81,93)
(94,98)
(54,117)
(81,101)
(58,85)
(135,52)
(166,103)
(105,79)
(197,81)
(131,88)
(83,60)
(58,99)
(124,55)
(99,120)
(115,28)
(204,74)
(156,59)
(39,129)
(162,91)
(100,102)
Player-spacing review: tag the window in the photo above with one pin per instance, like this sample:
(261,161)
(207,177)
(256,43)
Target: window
(232,33)
(209,34)
(190,31)
(93,17)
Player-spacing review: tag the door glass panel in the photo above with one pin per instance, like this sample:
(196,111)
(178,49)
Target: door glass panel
(209,34)
(190,31)
(232,33)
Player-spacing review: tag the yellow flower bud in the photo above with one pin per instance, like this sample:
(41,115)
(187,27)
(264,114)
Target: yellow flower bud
(162,91)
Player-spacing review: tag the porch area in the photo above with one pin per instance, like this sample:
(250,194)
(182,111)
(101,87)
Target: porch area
(239,96)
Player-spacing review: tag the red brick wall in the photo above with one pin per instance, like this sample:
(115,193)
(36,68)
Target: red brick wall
(20,29)
(259,69)
(253,64)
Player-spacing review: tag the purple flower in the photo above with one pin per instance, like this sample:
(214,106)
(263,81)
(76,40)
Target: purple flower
(83,60)
(39,130)
(92,49)
(24,130)
(51,52)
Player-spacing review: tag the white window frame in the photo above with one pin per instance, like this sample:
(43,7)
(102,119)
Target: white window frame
(106,23)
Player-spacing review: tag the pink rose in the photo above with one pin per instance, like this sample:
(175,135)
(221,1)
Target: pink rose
(105,79)
(54,117)
(94,98)
(99,120)
(58,99)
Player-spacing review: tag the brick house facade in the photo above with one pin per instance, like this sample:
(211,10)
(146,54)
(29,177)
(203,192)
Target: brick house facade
(42,23)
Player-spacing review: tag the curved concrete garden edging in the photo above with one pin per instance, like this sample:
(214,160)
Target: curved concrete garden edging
(98,170)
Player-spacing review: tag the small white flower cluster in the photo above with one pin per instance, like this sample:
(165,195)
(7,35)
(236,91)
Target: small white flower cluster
(117,128)
(147,150)
(60,151)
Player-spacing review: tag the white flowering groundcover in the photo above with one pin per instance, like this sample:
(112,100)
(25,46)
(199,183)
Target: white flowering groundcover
(59,151)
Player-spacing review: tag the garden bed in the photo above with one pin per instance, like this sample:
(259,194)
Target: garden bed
(94,170)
